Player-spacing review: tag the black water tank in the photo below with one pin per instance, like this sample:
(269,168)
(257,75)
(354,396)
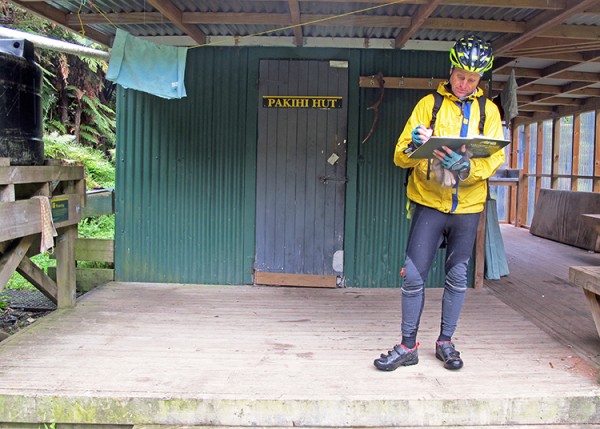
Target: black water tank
(20,104)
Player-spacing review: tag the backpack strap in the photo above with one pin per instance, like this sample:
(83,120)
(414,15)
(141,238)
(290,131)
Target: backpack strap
(438,99)
(437,103)
(481,101)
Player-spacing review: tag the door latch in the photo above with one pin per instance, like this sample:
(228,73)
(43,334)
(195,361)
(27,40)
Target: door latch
(326,179)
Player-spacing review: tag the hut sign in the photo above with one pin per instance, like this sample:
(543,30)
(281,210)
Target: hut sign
(302,102)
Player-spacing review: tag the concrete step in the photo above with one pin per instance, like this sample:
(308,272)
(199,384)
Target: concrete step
(560,426)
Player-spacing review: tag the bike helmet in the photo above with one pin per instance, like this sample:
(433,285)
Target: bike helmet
(472,54)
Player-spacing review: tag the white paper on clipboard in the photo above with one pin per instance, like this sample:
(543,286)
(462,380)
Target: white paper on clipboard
(479,146)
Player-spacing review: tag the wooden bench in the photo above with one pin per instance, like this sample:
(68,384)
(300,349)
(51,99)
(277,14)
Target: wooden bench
(588,278)
(564,216)
(593,221)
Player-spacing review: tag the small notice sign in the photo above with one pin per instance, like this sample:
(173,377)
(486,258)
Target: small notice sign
(302,101)
(60,209)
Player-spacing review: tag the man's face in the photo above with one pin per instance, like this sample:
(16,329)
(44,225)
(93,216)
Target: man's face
(463,82)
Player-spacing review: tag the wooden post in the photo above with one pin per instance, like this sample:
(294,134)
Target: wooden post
(575,152)
(540,160)
(523,186)
(7,191)
(65,266)
(522,193)
(480,251)
(12,257)
(555,169)
(597,154)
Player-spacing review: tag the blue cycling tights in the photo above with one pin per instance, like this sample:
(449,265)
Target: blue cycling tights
(429,229)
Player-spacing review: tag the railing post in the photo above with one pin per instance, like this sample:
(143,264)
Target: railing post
(65,266)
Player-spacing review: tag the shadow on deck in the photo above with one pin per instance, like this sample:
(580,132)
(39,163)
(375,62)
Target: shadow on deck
(180,355)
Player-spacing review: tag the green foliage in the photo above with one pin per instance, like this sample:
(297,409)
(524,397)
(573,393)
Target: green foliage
(100,171)
(97,227)
(3,302)
(17,281)
(99,130)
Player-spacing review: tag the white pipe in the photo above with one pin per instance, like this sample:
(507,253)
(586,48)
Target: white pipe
(55,45)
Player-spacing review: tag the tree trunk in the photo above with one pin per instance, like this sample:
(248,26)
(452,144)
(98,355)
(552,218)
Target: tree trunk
(64,107)
(77,121)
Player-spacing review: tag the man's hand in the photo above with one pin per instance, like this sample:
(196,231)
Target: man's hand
(453,161)
(421,135)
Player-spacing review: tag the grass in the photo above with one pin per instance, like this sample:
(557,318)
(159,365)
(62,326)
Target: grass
(100,174)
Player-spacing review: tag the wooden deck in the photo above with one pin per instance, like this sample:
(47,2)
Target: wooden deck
(538,288)
(181,355)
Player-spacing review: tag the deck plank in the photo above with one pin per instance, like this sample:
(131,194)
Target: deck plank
(132,353)
(538,287)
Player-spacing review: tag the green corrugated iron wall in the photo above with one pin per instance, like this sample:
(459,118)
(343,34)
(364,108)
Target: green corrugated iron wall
(382,227)
(186,170)
(182,205)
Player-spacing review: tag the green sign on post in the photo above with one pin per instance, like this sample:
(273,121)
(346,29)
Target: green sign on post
(60,209)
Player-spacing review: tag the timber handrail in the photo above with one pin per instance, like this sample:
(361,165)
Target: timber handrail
(21,223)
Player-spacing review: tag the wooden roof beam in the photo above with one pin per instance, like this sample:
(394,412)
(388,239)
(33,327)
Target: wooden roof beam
(565,32)
(45,11)
(117,18)
(579,88)
(410,24)
(557,101)
(576,76)
(503,65)
(519,72)
(541,89)
(234,18)
(542,22)
(540,46)
(587,91)
(588,105)
(551,97)
(295,20)
(560,71)
(174,15)
(535,108)
(417,21)
(532,4)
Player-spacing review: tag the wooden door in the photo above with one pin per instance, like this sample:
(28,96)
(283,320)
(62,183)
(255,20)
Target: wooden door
(301,172)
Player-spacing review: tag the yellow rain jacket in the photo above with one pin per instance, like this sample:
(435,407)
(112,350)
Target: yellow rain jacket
(471,193)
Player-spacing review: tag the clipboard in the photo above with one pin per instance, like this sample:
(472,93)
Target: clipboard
(479,146)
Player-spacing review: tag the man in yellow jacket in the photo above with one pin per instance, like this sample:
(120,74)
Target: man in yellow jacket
(448,193)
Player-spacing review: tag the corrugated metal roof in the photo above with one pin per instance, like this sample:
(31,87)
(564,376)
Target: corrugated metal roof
(541,33)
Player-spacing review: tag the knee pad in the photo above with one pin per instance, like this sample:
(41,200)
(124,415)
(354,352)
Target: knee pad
(412,277)
(456,278)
